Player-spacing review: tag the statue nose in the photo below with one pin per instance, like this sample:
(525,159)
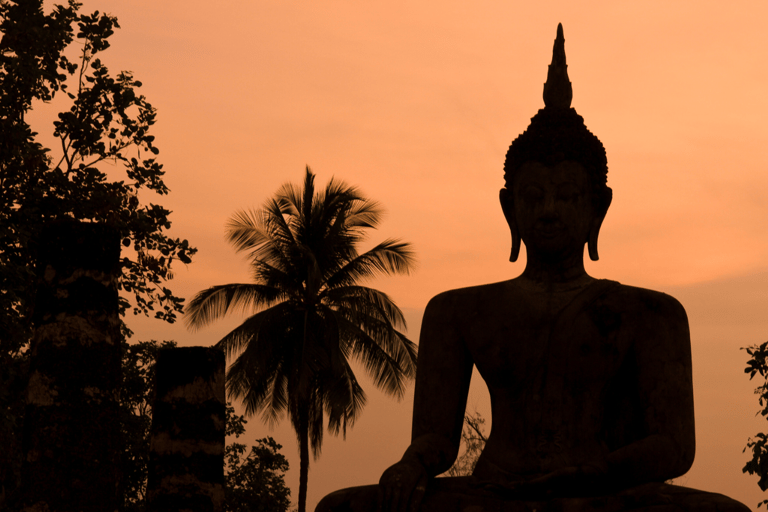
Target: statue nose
(548,210)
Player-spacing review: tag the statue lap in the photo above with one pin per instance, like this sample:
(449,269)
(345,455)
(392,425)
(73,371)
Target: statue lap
(458,494)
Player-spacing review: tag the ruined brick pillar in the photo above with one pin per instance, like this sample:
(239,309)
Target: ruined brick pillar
(71,437)
(186,460)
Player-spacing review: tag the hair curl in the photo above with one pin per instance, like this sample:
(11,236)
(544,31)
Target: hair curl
(555,135)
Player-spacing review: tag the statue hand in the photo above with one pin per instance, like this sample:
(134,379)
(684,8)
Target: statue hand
(564,479)
(402,487)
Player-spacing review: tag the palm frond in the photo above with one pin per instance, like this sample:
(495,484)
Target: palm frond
(392,342)
(344,400)
(389,257)
(276,222)
(249,333)
(374,313)
(260,375)
(353,300)
(364,214)
(389,371)
(309,194)
(290,199)
(217,301)
(252,377)
(360,212)
(316,423)
(248,384)
(288,280)
(245,230)
(278,400)
(265,235)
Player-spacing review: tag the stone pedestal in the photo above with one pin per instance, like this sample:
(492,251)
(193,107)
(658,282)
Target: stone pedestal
(186,461)
(463,494)
(71,430)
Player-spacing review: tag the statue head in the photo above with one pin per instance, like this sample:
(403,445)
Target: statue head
(557,134)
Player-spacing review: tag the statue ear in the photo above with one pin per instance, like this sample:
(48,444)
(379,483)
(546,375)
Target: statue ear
(508,207)
(594,230)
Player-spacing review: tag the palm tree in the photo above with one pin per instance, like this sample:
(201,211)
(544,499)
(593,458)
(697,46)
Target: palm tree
(311,315)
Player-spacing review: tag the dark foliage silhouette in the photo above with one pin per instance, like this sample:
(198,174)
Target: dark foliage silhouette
(100,170)
(136,398)
(107,123)
(310,314)
(473,439)
(255,480)
(758,465)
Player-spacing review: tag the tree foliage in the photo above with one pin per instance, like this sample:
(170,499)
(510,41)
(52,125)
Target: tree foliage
(255,480)
(106,127)
(309,313)
(473,439)
(758,465)
(101,168)
(136,399)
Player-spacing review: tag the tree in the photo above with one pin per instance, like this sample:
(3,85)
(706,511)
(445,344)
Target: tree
(136,399)
(107,119)
(107,123)
(254,482)
(310,314)
(473,441)
(758,465)
(135,410)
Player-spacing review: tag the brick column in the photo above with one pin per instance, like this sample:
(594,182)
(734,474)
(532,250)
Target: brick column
(71,430)
(186,460)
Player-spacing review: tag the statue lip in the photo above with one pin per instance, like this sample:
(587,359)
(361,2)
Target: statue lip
(549,230)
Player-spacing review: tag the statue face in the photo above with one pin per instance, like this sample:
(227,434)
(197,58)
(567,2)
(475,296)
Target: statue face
(553,208)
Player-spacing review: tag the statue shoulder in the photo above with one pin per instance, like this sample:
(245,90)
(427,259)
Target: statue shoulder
(469,298)
(648,303)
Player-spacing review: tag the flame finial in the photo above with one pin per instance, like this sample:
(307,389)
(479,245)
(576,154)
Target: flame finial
(558,92)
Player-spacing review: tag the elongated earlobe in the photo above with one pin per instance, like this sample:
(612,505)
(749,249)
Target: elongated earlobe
(594,231)
(592,243)
(508,207)
(515,247)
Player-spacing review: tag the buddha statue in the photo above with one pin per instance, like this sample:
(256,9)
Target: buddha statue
(590,380)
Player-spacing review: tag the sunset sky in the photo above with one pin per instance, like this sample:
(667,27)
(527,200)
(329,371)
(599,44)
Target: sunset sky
(416,103)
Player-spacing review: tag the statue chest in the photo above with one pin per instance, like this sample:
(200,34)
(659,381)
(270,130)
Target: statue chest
(574,354)
(554,385)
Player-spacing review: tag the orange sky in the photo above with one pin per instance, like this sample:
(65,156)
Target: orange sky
(416,103)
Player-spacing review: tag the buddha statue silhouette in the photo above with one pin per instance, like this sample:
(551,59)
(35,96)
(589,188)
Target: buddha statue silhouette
(590,380)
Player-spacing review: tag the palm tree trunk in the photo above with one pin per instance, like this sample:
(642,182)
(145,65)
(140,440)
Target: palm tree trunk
(303,456)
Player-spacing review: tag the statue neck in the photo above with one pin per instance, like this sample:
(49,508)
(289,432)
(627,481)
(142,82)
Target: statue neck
(564,271)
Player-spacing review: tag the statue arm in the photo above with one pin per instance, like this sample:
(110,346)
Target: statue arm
(442,383)
(663,354)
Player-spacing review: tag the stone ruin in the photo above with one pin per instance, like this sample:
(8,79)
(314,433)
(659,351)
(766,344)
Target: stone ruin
(71,439)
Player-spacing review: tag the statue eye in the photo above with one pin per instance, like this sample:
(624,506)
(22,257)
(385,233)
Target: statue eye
(533,193)
(568,192)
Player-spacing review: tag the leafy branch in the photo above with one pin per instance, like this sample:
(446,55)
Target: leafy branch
(108,121)
(758,465)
